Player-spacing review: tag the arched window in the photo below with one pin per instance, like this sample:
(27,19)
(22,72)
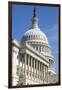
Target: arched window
(29,36)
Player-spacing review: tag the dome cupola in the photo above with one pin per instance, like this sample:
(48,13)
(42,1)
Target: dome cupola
(35,34)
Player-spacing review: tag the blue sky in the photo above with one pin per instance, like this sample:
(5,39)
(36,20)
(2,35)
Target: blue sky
(48,23)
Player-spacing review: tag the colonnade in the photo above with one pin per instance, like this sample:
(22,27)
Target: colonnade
(34,68)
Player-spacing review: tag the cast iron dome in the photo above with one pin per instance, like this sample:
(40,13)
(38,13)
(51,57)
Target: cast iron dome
(35,33)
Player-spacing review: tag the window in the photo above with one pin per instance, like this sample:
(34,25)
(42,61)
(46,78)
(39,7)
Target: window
(27,37)
(31,37)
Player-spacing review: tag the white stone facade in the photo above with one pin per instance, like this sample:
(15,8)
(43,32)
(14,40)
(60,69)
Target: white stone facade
(32,60)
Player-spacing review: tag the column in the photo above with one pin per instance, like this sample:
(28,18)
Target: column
(43,73)
(34,68)
(25,64)
(39,70)
(19,69)
(28,64)
(22,64)
(47,74)
(31,66)
(38,48)
(41,48)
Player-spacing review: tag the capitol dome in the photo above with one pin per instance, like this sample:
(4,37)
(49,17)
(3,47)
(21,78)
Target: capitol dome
(36,38)
(35,33)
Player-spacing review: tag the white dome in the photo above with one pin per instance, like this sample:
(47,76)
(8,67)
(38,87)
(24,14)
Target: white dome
(35,34)
(36,38)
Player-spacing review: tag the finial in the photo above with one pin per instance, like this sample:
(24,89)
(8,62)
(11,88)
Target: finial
(34,11)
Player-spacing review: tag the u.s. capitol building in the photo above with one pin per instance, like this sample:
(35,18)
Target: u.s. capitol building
(32,59)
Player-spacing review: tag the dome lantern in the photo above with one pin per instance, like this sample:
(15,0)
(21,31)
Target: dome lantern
(34,20)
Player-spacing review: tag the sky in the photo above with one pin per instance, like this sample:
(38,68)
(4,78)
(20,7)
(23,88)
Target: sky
(48,23)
